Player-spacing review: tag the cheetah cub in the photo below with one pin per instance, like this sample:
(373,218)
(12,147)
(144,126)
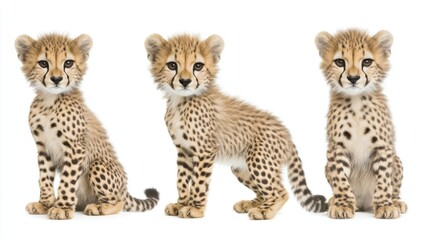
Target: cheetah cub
(68,136)
(204,124)
(363,169)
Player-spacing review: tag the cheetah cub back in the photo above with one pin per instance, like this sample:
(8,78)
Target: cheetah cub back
(69,138)
(205,124)
(363,169)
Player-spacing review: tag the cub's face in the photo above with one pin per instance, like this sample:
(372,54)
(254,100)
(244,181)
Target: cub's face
(354,62)
(53,63)
(183,65)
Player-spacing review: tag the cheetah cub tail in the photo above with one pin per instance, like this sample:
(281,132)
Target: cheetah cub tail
(310,202)
(137,205)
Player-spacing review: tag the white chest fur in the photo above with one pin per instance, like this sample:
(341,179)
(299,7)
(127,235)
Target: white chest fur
(44,119)
(177,129)
(359,145)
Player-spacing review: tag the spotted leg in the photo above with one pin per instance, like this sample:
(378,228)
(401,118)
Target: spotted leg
(382,199)
(397,182)
(64,206)
(184,172)
(46,183)
(343,204)
(199,186)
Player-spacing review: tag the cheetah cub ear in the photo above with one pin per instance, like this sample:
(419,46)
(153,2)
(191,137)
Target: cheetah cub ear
(384,40)
(22,45)
(154,43)
(214,44)
(323,42)
(83,43)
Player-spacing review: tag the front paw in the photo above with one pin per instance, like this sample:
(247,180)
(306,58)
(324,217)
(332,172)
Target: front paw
(340,212)
(172,209)
(36,208)
(387,212)
(57,213)
(191,212)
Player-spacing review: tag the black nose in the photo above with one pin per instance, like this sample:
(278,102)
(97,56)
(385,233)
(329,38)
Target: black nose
(56,80)
(185,82)
(353,79)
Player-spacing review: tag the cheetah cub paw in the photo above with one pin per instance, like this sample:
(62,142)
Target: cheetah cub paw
(244,206)
(191,212)
(340,212)
(172,209)
(57,213)
(103,209)
(36,208)
(387,212)
(261,214)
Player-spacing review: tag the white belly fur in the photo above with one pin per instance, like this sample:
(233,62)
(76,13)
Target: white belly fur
(362,178)
(363,181)
(233,161)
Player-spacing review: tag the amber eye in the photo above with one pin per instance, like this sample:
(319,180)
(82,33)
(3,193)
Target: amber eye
(68,63)
(340,62)
(43,64)
(198,66)
(172,66)
(367,62)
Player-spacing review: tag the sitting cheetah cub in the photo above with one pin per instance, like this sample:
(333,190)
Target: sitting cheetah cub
(363,169)
(204,124)
(68,136)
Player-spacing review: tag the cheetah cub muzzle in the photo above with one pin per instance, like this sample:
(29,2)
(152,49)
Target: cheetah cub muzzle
(363,169)
(204,124)
(69,138)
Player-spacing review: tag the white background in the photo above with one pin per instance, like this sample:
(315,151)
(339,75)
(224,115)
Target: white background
(269,60)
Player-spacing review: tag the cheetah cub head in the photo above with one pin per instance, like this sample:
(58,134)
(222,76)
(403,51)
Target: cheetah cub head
(354,62)
(184,65)
(53,63)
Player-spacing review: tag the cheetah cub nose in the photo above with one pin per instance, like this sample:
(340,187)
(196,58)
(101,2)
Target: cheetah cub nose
(185,82)
(56,80)
(353,79)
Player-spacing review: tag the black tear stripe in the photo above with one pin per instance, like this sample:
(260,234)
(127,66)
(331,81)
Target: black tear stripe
(366,77)
(172,80)
(68,77)
(198,84)
(44,76)
(341,75)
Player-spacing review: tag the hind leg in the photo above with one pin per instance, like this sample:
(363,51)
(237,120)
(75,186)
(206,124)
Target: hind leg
(265,175)
(106,182)
(244,206)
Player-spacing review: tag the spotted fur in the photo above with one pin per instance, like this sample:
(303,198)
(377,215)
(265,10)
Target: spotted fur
(363,169)
(69,138)
(205,124)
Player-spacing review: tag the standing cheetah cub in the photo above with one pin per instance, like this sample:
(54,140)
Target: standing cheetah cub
(68,136)
(363,169)
(205,124)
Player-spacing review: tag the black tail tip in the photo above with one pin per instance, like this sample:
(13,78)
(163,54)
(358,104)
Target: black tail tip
(152,193)
(319,204)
